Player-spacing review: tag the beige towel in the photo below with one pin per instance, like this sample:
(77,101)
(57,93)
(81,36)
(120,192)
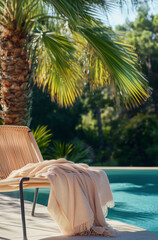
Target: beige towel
(79,196)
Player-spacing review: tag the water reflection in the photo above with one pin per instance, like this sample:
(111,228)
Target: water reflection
(136,197)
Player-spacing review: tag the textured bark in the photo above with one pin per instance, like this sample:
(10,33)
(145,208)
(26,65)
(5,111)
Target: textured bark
(15,74)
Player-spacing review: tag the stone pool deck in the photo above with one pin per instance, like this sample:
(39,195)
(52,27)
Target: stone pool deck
(42,227)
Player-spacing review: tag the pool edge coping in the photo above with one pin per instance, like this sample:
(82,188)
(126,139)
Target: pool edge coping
(124,168)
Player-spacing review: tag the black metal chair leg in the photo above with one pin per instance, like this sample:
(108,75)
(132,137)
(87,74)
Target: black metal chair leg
(34,202)
(22,207)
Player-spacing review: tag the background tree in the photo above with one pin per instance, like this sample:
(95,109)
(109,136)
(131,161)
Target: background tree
(135,141)
(134,138)
(62,121)
(143,34)
(32,41)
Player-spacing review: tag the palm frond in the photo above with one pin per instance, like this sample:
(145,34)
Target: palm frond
(120,61)
(20,13)
(57,69)
(72,10)
(134,3)
(97,74)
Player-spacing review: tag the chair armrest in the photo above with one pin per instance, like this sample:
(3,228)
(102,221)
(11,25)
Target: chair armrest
(17,180)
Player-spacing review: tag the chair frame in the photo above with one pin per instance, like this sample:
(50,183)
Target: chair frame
(21,190)
(19,184)
(23,207)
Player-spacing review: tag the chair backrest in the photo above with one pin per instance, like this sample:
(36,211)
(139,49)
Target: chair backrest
(17,148)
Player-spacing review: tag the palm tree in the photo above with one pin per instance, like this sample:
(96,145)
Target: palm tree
(37,42)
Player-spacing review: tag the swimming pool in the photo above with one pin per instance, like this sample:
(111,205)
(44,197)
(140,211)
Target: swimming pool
(135,194)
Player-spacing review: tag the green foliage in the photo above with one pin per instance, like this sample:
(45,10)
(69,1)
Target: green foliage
(82,152)
(90,136)
(143,35)
(63,80)
(77,151)
(61,121)
(58,70)
(1,122)
(129,139)
(43,138)
(120,61)
(136,141)
(61,150)
(98,112)
(48,27)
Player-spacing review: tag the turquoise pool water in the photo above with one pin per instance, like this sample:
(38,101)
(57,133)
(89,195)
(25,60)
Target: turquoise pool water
(135,194)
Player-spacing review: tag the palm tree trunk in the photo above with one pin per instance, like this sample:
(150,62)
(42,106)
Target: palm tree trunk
(14,78)
(100,128)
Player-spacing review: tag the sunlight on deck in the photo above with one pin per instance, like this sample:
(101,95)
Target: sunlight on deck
(42,227)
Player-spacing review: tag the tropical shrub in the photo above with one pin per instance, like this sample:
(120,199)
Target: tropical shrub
(136,141)
(43,137)
(61,149)
(82,152)
(77,151)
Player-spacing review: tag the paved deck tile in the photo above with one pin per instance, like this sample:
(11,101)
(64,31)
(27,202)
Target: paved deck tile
(42,227)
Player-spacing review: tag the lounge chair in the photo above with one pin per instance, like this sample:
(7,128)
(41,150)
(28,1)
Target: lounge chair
(18,148)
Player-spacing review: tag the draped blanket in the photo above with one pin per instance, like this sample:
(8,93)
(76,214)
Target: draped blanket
(79,196)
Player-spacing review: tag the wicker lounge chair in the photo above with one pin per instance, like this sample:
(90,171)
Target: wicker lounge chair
(18,148)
